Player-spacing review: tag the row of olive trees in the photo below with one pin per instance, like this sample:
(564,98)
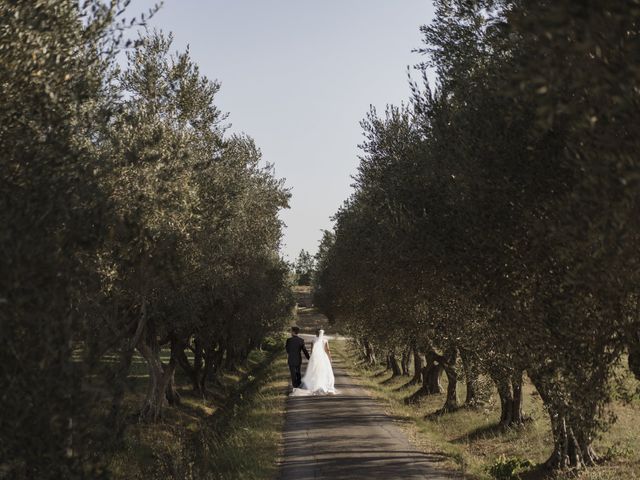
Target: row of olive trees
(494,227)
(131,223)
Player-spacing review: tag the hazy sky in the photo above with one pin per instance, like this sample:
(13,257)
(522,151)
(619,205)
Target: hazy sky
(298,76)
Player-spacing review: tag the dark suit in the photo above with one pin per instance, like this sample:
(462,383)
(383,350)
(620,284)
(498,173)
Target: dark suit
(295,346)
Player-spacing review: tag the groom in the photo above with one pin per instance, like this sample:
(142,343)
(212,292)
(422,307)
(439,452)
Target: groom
(294,346)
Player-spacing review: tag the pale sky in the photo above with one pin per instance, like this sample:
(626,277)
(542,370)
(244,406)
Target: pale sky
(298,76)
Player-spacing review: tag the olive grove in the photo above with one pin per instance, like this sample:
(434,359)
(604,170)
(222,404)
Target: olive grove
(131,223)
(494,225)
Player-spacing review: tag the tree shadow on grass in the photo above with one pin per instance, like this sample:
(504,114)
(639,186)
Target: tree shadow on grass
(391,379)
(441,412)
(482,433)
(490,431)
(404,386)
(245,388)
(357,360)
(539,472)
(215,396)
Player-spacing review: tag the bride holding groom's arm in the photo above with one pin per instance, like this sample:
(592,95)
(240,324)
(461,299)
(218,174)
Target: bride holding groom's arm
(318,378)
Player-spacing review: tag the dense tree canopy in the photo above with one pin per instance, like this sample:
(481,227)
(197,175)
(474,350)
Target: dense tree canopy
(131,222)
(494,226)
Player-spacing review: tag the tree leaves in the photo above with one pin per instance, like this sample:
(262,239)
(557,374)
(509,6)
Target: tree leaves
(123,200)
(491,216)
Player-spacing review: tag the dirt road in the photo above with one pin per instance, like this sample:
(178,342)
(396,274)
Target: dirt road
(348,436)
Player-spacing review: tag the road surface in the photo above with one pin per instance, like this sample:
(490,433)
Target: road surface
(348,436)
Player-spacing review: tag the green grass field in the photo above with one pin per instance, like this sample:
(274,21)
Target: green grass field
(471,441)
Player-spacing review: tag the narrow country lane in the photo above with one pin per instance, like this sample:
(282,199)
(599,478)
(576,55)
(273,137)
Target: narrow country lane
(348,436)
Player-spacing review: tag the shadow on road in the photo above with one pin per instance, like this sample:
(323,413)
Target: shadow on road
(349,436)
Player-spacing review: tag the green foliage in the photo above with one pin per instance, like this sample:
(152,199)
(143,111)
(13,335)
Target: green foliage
(131,222)
(53,210)
(304,267)
(321,284)
(274,342)
(509,468)
(492,227)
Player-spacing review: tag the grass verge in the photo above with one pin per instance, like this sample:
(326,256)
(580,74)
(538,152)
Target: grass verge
(248,438)
(235,433)
(471,441)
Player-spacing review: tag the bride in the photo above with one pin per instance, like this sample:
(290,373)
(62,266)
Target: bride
(318,379)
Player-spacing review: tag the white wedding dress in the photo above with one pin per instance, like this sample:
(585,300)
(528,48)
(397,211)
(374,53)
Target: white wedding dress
(318,379)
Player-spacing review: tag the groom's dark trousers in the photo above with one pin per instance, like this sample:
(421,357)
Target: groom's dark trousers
(296,375)
(295,347)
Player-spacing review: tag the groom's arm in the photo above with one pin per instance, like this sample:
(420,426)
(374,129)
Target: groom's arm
(304,349)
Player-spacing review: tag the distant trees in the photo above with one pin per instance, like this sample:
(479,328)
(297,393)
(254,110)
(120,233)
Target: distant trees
(132,223)
(494,229)
(304,267)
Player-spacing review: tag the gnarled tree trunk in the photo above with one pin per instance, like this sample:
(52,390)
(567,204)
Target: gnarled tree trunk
(394,365)
(160,376)
(431,373)
(474,395)
(406,358)
(369,353)
(212,360)
(572,447)
(509,381)
(511,401)
(418,364)
(448,362)
(194,372)
(509,386)
(173,397)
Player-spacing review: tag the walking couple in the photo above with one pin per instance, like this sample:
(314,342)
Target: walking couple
(318,379)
